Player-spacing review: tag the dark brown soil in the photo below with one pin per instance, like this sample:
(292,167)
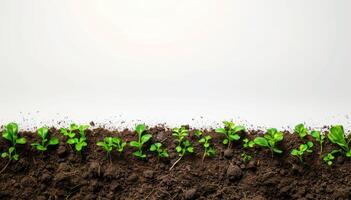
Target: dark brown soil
(62,173)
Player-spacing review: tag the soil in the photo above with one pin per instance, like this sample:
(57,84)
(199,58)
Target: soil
(61,173)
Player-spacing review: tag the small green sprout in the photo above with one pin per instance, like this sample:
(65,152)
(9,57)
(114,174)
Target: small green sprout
(246,157)
(329,158)
(11,134)
(319,138)
(231,131)
(270,139)
(79,143)
(110,143)
(45,141)
(302,149)
(301,130)
(161,153)
(183,146)
(208,149)
(142,139)
(248,143)
(337,136)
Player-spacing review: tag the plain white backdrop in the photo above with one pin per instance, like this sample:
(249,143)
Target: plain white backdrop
(266,63)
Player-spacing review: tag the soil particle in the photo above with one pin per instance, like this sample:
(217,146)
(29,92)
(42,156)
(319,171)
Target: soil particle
(45,177)
(251,165)
(148,174)
(132,178)
(94,169)
(61,151)
(234,172)
(27,181)
(190,194)
(228,153)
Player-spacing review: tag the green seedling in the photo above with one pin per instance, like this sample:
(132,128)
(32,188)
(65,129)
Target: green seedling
(319,138)
(161,153)
(142,139)
(11,134)
(301,130)
(183,146)
(45,141)
(337,136)
(79,142)
(208,149)
(270,140)
(246,157)
(110,143)
(329,158)
(231,131)
(302,149)
(248,143)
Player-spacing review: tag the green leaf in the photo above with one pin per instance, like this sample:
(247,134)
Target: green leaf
(221,130)
(225,141)
(11,149)
(72,141)
(145,138)
(140,128)
(74,127)
(134,144)
(41,148)
(239,128)
(78,146)
(21,140)
(316,135)
(234,137)
(190,149)
(277,150)
(43,132)
(261,141)
(139,154)
(295,152)
(35,144)
(337,136)
(301,130)
(7,136)
(206,145)
(12,128)
(153,147)
(164,154)
(278,136)
(348,154)
(15,157)
(202,140)
(53,141)
(4,155)
(178,149)
(100,143)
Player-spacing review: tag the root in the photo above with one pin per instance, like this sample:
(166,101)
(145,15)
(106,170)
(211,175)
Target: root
(3,169)
(175,163)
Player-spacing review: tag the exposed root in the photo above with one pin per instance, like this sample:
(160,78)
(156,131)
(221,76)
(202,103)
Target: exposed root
(175,163)
(3,169)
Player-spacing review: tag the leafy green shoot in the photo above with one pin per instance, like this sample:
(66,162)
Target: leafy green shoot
(230,130)
(329,158)
(157,147)
(11,134)
(248,143)
(143,137)
(183,146)
(337,136)
(302,149)
(319,137)
(301,130)
(209,150)
(45,141)
(111,143)
(270,140)
(78,142)
(246,157)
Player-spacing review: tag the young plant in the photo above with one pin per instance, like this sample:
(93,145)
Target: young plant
(329,158)
(319,138)
(337,136)
(246,157)
(161,153)
(208,149)
(302,149)
(110,143)
(248,143)
(231,131)
(79,142)
(270,140)
(11,134)
(142,139)
(183,146)
(45,141)
(301,130)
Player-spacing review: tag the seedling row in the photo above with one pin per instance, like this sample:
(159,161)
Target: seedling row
(231,134)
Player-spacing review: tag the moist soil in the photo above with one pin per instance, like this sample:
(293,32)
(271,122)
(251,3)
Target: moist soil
(62,173)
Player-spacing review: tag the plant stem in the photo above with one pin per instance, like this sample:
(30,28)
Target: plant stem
(175,162)
(3,169)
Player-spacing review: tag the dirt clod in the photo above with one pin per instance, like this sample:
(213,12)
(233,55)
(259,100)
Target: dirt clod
(190,194)
(234,172)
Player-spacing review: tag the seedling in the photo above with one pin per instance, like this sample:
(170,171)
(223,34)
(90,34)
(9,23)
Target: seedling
(11,134)
(301,130)
(142,139)
(329,158)
(231,131)
(270,140)
(110,143)
(302,149)
(337,136)
(161,153)
(248,143)
(208,149)
(246,157)
(79,143)
(45,141)
(319,138)
(183,146)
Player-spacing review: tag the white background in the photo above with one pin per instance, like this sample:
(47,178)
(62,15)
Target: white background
(266,63)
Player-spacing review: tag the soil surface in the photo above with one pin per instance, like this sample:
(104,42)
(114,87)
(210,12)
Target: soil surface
(61,173)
